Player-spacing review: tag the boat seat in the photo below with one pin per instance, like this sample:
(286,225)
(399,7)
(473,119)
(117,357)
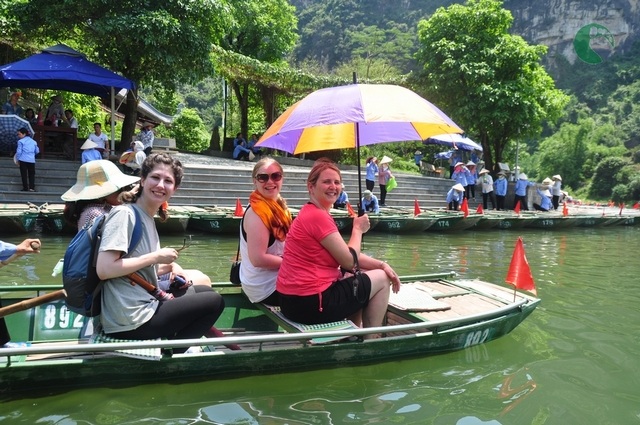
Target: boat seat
(290,326)
(413,299)
(137,353)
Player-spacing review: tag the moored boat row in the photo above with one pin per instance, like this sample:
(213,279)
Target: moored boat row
(19,218)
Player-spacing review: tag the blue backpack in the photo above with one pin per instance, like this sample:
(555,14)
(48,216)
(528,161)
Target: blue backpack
(79,277)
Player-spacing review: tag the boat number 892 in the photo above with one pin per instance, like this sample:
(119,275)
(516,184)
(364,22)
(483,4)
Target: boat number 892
(477,337)
(60,318)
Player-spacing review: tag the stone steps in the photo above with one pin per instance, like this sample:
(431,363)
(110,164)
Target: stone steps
(223,183)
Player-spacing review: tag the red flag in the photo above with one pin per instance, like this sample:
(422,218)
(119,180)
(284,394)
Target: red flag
(519,274)
(465,207)
(350,210)
(239,211)
(517,208)
(636,205)
(480,210)
(565,210)
(416,208)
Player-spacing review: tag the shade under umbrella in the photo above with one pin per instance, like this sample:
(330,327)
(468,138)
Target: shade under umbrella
(354,115)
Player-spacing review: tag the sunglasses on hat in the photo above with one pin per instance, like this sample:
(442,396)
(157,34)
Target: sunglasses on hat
(275,177)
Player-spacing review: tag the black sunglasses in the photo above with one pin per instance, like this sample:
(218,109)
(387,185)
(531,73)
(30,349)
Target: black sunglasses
(263,178)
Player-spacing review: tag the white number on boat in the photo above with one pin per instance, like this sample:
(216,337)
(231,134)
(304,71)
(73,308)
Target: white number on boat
(62,318)
(394,225)
(477,337)
(547,223)
(214,224)
(442,223)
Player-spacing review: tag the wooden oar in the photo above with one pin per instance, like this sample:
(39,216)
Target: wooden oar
(161,295)
(33,302)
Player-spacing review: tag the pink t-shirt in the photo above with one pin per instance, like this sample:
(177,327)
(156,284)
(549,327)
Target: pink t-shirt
(307,267)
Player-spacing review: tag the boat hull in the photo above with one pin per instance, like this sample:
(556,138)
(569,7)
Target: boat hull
(490,312)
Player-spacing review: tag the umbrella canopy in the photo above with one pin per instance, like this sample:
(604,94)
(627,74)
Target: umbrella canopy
(453,140)
(9,126)
(443,155)
(355,115)
(62,68)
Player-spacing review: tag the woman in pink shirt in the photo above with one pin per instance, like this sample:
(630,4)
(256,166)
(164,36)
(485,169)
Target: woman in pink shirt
(311,284)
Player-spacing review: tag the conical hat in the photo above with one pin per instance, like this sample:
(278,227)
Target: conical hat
(458,187)
(97,179)
(88,144)
(385,160)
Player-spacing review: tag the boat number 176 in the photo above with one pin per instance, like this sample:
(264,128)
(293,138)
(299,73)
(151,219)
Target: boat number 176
(477,337)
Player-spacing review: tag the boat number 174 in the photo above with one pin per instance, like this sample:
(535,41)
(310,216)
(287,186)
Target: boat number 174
(477,337)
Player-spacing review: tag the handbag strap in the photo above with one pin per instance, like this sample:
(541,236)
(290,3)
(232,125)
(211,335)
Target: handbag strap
(356,264)
(241,224)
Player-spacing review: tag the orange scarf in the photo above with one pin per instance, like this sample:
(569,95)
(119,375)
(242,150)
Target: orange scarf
(273,213)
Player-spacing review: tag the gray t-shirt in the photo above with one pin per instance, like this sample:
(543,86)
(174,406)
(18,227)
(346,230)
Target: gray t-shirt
(126,306)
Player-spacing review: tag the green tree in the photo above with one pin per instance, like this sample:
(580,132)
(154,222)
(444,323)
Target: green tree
(605,177)
(489,81)
(264,30)
(189,131)
(150,43)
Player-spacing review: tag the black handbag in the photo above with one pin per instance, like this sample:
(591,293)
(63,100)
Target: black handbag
(234,275)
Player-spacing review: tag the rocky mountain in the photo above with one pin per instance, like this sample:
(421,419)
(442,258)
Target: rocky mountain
(576,29)
(587,30)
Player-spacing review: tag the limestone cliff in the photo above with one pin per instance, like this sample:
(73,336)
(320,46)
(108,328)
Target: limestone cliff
(578,30)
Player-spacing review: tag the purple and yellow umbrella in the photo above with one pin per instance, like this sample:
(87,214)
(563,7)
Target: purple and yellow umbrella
(347,117)
(355,115)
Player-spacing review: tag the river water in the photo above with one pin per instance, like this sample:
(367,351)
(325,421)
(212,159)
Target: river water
(575,360)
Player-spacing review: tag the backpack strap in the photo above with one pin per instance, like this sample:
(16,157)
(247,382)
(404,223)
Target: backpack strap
(136,236)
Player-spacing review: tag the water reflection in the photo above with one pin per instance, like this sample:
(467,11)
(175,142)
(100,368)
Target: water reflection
(574,360)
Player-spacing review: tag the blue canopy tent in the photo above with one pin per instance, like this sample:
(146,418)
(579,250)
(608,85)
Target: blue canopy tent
(62,68)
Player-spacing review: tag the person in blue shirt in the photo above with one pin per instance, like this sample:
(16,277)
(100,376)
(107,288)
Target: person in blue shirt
(501,189)
(12,107)
(240,150)
(370,202)
(522,185)
(417,157)
(342,200)
(89,151)
(372,170)
(454,196)
(545,201)
(26,159)
(252,145)
(472,178)
(25,247)
(460,175)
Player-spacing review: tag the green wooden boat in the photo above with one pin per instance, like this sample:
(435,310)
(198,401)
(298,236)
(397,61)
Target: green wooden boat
(214,220)
(447,221)
(402,223)
(549,220)
(14,222)
(433,314)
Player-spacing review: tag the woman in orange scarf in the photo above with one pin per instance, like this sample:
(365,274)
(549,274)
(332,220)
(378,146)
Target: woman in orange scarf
(262,232)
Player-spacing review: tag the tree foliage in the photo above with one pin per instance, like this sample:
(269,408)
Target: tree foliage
(189,131)
(150,43)
(264,30)
(489,81)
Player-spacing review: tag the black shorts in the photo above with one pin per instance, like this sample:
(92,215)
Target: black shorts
(338,302)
